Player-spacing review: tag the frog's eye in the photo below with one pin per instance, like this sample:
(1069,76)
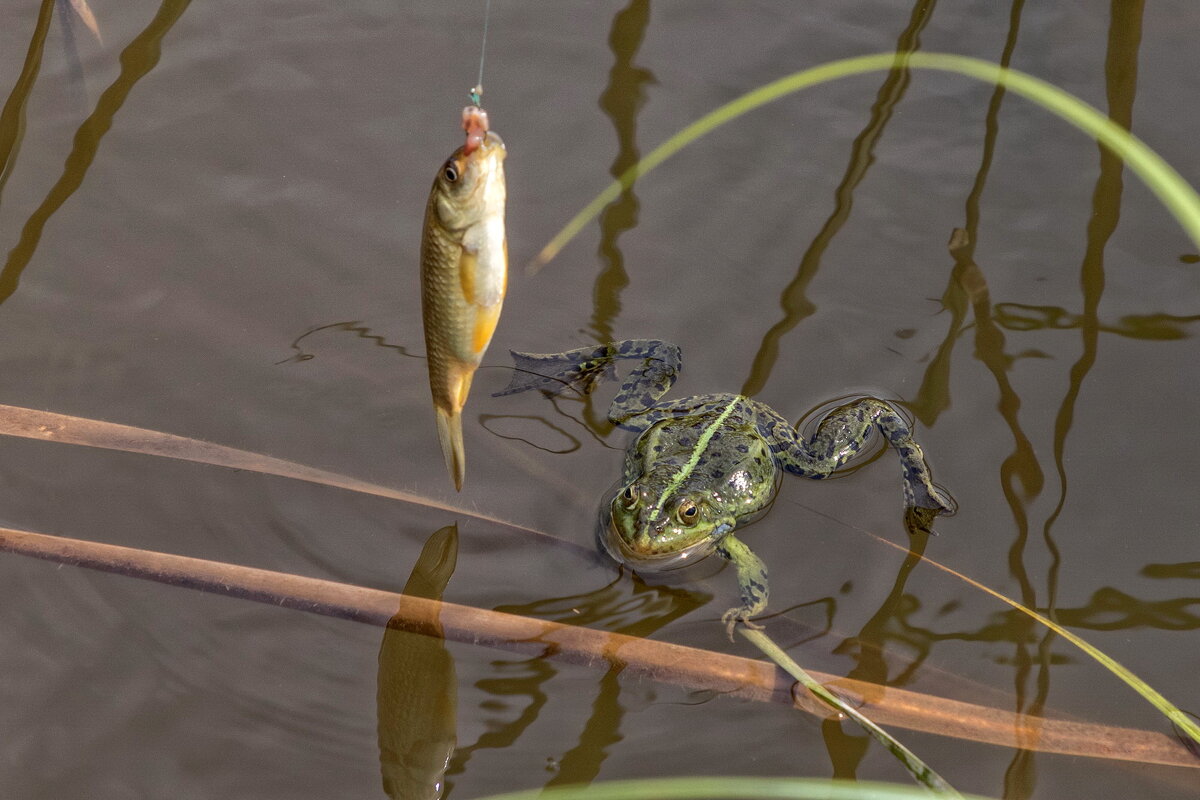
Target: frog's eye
(450,172)
(628,498)
(687,512)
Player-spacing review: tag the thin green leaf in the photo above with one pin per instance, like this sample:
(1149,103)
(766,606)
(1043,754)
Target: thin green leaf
(726,788)
(1174,192)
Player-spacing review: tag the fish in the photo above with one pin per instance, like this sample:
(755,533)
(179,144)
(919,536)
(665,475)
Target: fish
(464,275)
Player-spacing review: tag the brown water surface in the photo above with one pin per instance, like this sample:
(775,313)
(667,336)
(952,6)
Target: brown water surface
(210,222)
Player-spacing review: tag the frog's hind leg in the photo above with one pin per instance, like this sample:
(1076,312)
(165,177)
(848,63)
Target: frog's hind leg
(843,433)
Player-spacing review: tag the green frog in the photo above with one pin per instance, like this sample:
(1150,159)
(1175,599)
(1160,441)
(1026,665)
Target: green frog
(704,466)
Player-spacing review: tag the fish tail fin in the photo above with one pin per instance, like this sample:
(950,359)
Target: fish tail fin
(449,425)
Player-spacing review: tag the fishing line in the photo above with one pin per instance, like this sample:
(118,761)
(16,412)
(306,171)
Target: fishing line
(477,92)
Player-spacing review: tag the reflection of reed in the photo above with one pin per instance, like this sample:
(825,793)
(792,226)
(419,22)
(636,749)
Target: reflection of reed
(12,116)
(968,288)
(621,101)
(1120,71)
(846,751)
(137,59)
(794,300)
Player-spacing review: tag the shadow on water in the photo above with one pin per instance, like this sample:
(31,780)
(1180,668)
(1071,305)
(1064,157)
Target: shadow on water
(417,694)
(353,326)
(623,606)
(137,59)
(12,116)
(621,101)
(794,300)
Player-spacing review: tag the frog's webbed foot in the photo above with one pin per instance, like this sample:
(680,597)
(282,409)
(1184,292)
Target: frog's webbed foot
(922,494)
(918,519)
(557,373)
(752,583)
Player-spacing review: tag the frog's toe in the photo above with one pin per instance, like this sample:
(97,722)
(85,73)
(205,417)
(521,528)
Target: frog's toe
(735,615)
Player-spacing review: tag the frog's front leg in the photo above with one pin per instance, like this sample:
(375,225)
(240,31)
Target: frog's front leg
(752,583)
(843,433)
(580,369)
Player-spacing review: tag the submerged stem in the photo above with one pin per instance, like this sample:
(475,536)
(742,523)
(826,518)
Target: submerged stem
(921,772)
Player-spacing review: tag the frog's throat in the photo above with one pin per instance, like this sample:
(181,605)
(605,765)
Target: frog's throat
(693,459)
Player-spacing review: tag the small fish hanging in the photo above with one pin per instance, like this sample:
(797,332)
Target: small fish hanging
(464,274)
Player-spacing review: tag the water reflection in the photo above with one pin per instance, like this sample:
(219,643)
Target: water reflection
(1148,327)
(623,606)
(137,59)
(1120,72)
(621,100)
(867,649)
(794,300)
(12,116)
(417,695)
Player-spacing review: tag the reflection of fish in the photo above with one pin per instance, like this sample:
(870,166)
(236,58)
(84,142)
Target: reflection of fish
(464,272)
(417,699)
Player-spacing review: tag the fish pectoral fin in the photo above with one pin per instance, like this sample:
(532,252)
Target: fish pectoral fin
(484,280)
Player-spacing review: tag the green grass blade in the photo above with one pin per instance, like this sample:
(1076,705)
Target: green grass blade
(920,771)
(726,788)
(1174,192)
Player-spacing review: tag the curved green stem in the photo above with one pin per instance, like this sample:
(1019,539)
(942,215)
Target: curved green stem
(921,772)
(1167,184)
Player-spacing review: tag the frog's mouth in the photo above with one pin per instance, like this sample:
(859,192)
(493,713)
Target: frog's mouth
(620,550)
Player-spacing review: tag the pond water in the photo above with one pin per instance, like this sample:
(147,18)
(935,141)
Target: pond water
(211,220)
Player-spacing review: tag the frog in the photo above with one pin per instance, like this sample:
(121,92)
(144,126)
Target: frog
(707,465)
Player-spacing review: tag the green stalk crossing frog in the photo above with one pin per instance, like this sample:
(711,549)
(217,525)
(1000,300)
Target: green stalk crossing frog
(705,465)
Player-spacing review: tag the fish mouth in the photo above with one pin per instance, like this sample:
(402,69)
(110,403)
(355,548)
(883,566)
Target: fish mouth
(489,146)
(493,140)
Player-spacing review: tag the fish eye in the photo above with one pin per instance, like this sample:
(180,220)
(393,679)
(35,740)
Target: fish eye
(450,172)
(628,498)
(687,512)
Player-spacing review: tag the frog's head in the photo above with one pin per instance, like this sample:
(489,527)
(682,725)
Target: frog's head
(653,528)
